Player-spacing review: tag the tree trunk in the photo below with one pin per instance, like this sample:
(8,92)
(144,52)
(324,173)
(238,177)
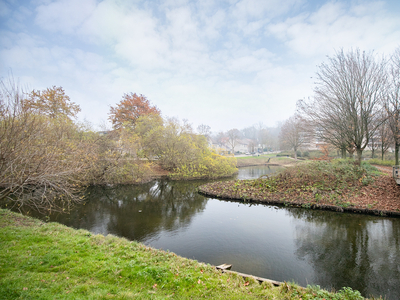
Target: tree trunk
(396,153)
(351,154)
(295,153)
(343,150)
(359,156)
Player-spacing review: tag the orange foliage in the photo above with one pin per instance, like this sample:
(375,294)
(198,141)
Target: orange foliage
(52,102)
(131,107)
(325,151)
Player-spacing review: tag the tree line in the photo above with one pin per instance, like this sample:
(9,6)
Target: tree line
(356,105)
(48,158)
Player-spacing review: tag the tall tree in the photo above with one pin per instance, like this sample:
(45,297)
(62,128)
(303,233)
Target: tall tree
(233,138)
(130,108)
(349,91)
(293,134)
(385,137)
(392,103)
(205,130)
(52,102)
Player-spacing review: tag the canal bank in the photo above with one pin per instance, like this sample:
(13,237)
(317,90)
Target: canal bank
(318,185)
(49,261)
(329,249)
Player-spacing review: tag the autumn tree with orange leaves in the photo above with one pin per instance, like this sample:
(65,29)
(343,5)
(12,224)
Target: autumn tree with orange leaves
(131,107)
(52,102)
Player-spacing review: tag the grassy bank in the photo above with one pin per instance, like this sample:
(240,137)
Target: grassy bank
(51,261)
(338,185)
(270,159)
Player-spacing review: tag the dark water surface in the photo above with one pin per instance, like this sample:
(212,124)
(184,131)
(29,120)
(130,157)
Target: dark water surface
(285,244)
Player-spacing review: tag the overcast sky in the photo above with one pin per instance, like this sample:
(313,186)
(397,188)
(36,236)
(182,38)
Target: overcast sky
(227,64)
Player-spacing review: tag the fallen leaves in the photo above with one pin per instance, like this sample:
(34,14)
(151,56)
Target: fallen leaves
(382,194)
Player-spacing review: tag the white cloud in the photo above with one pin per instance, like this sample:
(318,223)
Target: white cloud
(227,64)
(64,16)
(260,9)
(338,25)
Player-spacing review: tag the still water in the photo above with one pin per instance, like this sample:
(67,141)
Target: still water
(285,244)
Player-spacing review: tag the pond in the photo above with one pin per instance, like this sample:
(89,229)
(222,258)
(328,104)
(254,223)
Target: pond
(284,244)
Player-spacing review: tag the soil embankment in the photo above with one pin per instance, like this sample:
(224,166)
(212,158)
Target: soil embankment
(381,197)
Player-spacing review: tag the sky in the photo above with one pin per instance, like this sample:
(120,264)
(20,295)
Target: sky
(226,64)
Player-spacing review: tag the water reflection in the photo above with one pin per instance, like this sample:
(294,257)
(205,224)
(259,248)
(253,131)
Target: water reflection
(256,172)
(137,212)
(310,247)
(350,250)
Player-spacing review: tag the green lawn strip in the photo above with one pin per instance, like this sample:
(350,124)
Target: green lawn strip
(262,160)
(376,161)
(51,261)
(256,156)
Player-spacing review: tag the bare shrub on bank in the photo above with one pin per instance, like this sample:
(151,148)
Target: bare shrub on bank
(42,160)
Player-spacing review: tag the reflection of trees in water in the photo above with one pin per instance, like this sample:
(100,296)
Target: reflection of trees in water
(137,212)
(256,172)
(359,251)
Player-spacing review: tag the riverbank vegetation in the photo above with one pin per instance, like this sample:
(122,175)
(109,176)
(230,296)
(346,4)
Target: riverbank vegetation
(47,158)
(48,261)
(338,185)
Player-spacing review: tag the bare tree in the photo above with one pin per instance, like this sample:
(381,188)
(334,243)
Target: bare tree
(384,137)
(392,103)
(263,137)
(205,130)
(293,134)
(233,138)
(220,138)
(349,91)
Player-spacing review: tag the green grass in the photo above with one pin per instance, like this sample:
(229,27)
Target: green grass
(262,156)
(377,161)
(263,159)
(51,261)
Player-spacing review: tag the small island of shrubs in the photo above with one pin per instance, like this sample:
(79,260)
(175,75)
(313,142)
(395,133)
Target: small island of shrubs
(340,185)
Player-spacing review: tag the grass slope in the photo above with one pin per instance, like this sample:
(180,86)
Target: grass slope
(51,261)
